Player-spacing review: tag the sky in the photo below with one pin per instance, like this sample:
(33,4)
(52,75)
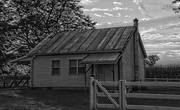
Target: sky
(159,26)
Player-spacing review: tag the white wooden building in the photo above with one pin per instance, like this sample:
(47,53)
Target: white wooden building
(68,59)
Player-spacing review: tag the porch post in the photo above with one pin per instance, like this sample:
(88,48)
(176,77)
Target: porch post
(119,73)
(91,93)
(93,71)
(85,80)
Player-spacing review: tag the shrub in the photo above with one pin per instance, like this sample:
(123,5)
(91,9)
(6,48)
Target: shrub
(163,71)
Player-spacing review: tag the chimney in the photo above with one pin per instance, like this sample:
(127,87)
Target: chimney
(136,55)
(136,22)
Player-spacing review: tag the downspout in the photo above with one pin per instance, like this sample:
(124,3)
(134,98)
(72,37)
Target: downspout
(113,73)
(118,69)
(92,73)
(32,70)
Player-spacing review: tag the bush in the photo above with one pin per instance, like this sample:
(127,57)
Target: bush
(163,71)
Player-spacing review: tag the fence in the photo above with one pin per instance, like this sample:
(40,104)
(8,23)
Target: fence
(14,81)
(163,79)
(122,95)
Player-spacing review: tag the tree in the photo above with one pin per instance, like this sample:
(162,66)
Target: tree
(24,23)
(177,8)
(151,60)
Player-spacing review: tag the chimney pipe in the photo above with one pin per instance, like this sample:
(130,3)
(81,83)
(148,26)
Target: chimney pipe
(136,22)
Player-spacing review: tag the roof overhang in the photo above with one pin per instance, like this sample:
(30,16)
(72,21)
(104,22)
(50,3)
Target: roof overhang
(102,58)
(21,60)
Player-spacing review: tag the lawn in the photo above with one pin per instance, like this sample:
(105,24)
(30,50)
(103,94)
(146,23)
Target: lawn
(67,99)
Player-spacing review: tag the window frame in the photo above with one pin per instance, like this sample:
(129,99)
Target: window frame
(52,68)
(77,67)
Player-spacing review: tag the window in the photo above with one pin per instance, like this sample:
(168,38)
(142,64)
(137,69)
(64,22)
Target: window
(75,67)
(55,67)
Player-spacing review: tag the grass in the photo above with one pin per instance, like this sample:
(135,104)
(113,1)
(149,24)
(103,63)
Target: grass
(69,99)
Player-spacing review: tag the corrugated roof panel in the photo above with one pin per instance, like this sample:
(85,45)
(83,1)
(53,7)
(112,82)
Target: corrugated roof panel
(90,39)
(98,39)
(57,43)
(115,39)
(72,42)
(80,41)
(40,45)
(101,58)
(106,39)
(125,36)
(50,43)
(64,42)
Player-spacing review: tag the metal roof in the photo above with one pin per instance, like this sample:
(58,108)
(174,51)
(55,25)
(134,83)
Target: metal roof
(100,58)
(87,41)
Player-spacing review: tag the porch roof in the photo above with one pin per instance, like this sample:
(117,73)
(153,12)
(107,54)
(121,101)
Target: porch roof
(103,58)
(21,60)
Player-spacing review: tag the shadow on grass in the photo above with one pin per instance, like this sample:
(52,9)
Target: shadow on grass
(74,99)
(63,98)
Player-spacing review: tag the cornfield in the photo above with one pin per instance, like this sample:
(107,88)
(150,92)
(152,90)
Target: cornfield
(163,71)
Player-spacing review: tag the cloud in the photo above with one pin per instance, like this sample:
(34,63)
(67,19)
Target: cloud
(167,57)
(119,15)
(168,7)
(145,19)
(97,9)
(117,3)
(108,14)
(137,1)
(87,2)
(126,21)
(119,8)
(158,42)
(143,8)
(144,31)
(172,25)
(108,9)
(98,15)
(98,24)
(127,16)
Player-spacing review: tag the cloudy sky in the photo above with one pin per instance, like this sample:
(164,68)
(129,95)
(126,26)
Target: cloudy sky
(158,24)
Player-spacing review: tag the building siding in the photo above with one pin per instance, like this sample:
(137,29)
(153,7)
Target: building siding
(42,76)
(141,64)
(128,62)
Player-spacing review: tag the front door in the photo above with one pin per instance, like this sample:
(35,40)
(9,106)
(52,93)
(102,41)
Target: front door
(105,72)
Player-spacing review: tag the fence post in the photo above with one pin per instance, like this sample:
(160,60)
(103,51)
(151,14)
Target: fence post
(15,80)
(95,92)
(91,89)
(122,95)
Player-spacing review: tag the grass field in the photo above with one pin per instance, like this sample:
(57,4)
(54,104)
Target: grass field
(68,99)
